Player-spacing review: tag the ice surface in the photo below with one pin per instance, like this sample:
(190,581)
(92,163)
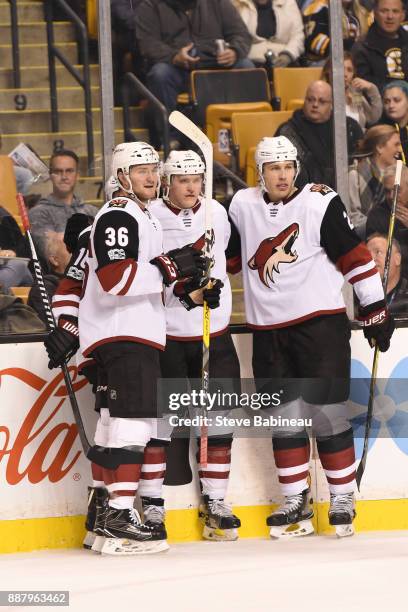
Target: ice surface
(367,572)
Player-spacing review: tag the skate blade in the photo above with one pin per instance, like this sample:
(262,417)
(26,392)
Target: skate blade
(344,531)
(89,539)
(220,535)
(297,530)
(98,544)
(123,547)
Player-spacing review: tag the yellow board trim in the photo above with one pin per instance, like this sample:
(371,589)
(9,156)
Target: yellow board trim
(24,535)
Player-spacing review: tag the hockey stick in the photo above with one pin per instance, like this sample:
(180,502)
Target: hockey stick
(51,321)
(189,129)
(362,464)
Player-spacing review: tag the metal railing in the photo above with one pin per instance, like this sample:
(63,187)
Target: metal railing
(84,81)
(15,44)
(131,83)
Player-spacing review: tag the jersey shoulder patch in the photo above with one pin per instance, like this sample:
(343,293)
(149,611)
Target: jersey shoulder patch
(320,188)
(117,203)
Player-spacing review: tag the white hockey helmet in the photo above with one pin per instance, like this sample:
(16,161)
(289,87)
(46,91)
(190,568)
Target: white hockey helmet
(181,162)
(128,154)
(111,185)
(275,149)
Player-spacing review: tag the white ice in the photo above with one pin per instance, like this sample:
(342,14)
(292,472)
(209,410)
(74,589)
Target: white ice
(367,572)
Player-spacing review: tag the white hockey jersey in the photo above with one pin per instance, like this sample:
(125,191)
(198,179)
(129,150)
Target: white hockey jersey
(122,292)
(182,227)
(296,254)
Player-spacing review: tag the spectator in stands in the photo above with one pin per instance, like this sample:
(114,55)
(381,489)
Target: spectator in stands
(16,317)
(13,272)
(311,131)
(363,100)
(317,28)
(378,219)
(177,36)
(275,25)
(397,286)
(57,257)
(381,146)
(54,210)
(383,55)
(395,100)
(126,53)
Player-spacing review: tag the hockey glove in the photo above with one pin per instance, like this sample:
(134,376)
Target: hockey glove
(190,290)
(62,343)
(180,263)
(378,325)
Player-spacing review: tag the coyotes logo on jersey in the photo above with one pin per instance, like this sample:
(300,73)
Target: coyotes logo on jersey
(274,251)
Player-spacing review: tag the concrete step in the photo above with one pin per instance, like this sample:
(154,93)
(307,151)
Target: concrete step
(37,76)
(39,98)
(35,32)
(43,143)
(26,11)
(36,54)
(14,122)
(87,187)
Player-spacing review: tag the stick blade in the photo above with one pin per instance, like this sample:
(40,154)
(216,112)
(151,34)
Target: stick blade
(190,129)
(22,209)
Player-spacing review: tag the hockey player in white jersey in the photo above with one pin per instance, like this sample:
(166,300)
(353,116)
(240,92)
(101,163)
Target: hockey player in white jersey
(122,327)
(181,214)
(296,247)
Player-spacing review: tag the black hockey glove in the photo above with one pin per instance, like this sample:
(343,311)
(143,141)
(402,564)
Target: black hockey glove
(62,343)
(183,290)
(378,325)
(180,263)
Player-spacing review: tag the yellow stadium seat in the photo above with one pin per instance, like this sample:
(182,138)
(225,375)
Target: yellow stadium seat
(21,292)
(8,187)
(92,18)
(251,175)
(248,128)
(218,116)
(295,103)
(290,83)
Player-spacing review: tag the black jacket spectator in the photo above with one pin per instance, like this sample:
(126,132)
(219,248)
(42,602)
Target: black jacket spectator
(163,27)
(11,238)
(376,59)
(315,146)
(378,220)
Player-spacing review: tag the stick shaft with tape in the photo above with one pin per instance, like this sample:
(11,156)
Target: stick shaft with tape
(370,407)
(51,321)
(189,129)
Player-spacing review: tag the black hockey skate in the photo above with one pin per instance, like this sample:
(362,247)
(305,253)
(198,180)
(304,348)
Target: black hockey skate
(342,513)
(292,518)
(126,534)
(101,501)
(220,525)
(154,514)
(96,498)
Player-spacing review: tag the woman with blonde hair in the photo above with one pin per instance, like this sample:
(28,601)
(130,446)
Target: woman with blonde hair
(379,149)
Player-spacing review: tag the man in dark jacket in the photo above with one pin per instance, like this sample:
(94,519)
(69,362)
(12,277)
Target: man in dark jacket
(177,36)
(13,270)
(383,54)
(311,131)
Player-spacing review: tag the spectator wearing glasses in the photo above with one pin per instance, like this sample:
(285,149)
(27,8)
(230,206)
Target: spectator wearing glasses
(311,131)
(397,286)
(53,211)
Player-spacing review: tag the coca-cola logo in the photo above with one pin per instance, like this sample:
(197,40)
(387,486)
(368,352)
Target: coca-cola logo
(40,460)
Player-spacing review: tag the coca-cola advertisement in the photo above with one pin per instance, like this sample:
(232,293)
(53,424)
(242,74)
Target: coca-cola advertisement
(43,471)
